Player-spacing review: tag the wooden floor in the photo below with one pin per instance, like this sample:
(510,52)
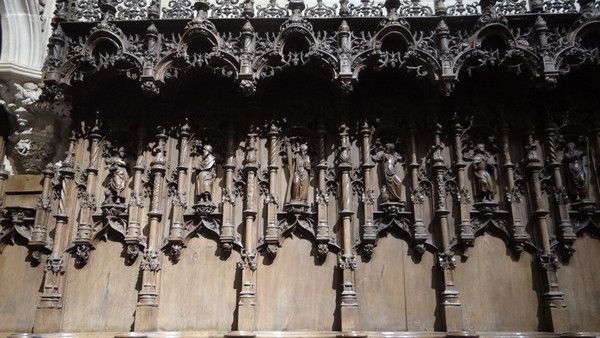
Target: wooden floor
(300,334)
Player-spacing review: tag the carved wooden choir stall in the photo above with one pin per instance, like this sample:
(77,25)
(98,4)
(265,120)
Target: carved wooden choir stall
(371,170)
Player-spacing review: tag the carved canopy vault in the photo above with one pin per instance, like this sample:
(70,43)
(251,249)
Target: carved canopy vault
(335,124)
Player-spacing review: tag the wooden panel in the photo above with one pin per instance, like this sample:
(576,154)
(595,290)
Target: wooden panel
(497,292)
(19,289)
(420,292)
(102,295)
(380,287)
(579,279)
(199,291)
(295,293)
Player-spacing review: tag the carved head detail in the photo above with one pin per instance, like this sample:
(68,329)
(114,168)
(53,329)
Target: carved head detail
(389,148)
(303,149)
(207,150)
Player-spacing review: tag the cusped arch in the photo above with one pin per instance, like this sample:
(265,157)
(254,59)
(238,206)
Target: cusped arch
(588,30)
(582,48)
(296,45)
(220,62)
(200,35)
(82,65)
(495,45)
(103,40)
(492,31)
(393,36)
(295,37)
(394,45)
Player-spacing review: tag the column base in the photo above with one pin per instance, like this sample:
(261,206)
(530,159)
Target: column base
(47,320)
(559,319)
(453,319)
(146,319)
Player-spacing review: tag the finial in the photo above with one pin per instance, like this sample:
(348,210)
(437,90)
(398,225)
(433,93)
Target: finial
(442,28)
(247,28)
(344,26)
(540,24)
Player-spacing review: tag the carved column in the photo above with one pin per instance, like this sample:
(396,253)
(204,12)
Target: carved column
(369,235)
(449,297)
(439,7)
(227,231)
(553,304)
(134,236)
(39,235)
(248,8)
(146,315)
(442,33)
(48,316)
(247,83)
(176,233)
(417,195)
(466,236)
(347,258)
(272,231)
(247,298)
(517,228)
(3,172)
(564,229)
(322,199)
(85,230)
(595,169)
(345,50)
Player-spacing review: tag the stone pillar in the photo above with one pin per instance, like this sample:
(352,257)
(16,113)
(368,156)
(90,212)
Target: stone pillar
(35,126)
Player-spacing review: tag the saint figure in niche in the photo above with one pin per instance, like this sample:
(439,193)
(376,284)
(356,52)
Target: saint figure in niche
(118,179)
(573,157)
(301,177)
(485,184)
(205,174)
(392,189)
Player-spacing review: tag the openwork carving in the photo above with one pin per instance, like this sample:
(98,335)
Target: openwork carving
(18,227)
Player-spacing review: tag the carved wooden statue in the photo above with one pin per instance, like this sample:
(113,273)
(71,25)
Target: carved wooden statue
(118,180)
(205,175)
(485,184)
(392,188)
(301,178)
(573,158)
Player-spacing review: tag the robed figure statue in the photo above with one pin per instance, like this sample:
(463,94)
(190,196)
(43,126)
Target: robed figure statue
(573,158)
(301,174)
(391,190)
(485,184)
(393,182)
(205,175)
(118,180)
